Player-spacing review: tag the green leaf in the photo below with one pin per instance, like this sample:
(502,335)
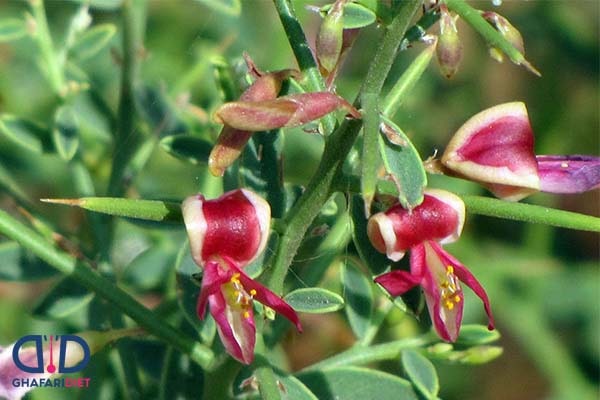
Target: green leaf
(150,269)
(187,147)
(403,163)
(66,132)
(181,378)
(157,110)
(12,29)
(358,295)
(471,335)
(375,261)
(314,300)
(294,389)
(92,41)
(64,299)
(421,372)
(24,133)
(355,15)
(224,79)
(149,210)
(227,7)
(354,383)
(19,265)
(107,5)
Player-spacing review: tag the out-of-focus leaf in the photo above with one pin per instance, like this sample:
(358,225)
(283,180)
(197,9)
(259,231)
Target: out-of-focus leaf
(224,79)
(66,132)
(181,378)
(12,29)
(227,7)
(64,299)
(354,383)
(471,335)
(375,261)
(314,300)
(149,270)
(421,372)
(92,41)
(107,5)
(156,108)
(473,356)
(358,295)
(355,15)
(25,133)
(403,163)
(294,389)
(19,265)
(187,147)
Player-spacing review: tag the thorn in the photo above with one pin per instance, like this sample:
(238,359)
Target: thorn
(527,65)
(68,202)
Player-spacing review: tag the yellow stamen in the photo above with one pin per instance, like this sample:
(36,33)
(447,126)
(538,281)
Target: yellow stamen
(252,292)
(450,289)
(246,314)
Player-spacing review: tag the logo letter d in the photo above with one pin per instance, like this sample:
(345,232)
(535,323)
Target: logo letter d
(85,349)
(39,369)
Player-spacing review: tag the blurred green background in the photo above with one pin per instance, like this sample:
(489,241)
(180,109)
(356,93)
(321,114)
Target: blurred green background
(544,283)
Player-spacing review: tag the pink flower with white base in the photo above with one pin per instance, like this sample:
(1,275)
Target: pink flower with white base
(496,148)
(437,220)
(227,234)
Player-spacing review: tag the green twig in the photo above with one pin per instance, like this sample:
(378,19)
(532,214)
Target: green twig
(303,54)
(336,149)
(81,272)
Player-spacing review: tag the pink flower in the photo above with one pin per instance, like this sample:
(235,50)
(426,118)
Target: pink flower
(437,220)
(227,234)
(496,148)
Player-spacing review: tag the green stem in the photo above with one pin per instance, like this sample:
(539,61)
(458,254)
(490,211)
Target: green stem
(360,355)
(267,381)
(303,54)
(336,149)
(82,273)
(530,213)
(54,71)
(125,140)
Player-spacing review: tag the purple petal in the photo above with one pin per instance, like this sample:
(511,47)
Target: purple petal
(397,282)
(236,330)
(212,278)
(268,298)
(468,278)
(9,371)
(568,174)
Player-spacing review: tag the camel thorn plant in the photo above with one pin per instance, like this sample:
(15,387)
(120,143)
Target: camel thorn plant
(218,227)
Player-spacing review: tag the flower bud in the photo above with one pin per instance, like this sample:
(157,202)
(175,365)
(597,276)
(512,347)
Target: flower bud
(449,49)
(496,147)
(286,111)
(330,38)
(231,141)
(507,30)
(440,217)
(235,225)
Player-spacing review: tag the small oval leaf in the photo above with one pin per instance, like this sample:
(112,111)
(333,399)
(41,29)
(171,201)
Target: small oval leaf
(355,15)
(471,335)
(92,41)
(421,372)
(375,261)
(403,163)
(66,132)
(187,147)
(12,29)
(314,300)
(359,297)
(355,383)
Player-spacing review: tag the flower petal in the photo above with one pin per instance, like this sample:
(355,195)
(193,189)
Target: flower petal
(268,298)
(212,278)
(569,174)
(495,146)
(397,282)
(467,278)
(237,332)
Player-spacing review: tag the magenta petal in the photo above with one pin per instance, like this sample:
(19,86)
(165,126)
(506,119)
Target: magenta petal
(212,279)
(237,333)
(467,278)
(568,174)
(397,282)
(268,298)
